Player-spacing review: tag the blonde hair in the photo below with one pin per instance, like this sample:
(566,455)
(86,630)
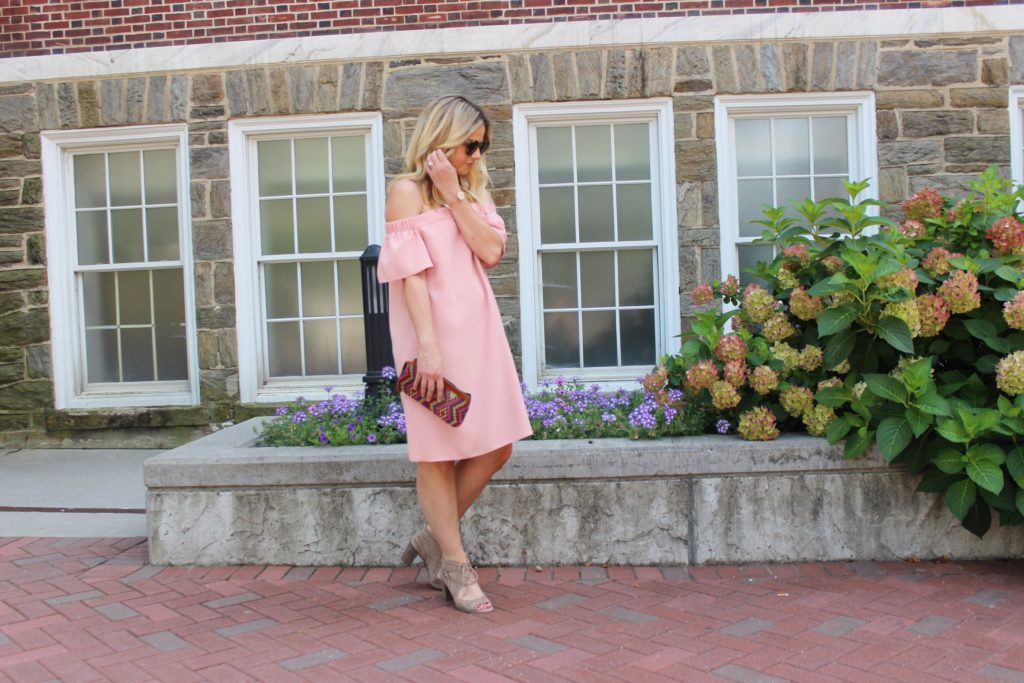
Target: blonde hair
(446,123)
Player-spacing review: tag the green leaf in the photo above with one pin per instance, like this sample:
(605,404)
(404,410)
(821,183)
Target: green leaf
(933,404)
(934,481)
(837,319)
(691,348)
(919,420)
(894,434)
(857,444)
(987,419)
(1006,407)
(986,332)
(952,430)
(839,428)
(833,396)
(1020,501)
(987,451)
(1015,464)
(918,373)
(831,284)
(986,474)
(949,461)
(896,332)
(960,497)
(1010,274)
(978,519)
(1004,501)
(864,265)
(886,387)
(1005,294)
(839,347)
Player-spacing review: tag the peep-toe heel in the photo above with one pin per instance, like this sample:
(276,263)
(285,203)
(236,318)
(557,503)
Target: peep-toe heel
(456,577)
(423,544)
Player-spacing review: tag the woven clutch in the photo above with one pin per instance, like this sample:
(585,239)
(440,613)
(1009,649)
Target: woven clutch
(451,407)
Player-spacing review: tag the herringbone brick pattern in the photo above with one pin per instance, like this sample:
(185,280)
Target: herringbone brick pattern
(92,610)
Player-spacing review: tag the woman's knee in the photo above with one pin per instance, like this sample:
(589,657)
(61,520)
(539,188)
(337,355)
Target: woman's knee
(501,456)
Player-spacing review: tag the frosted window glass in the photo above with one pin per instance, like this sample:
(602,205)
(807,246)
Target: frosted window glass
(596,213)
(593,153)
(350,223)
(754,196)
(282,289)
(561,340)
(792,191)
(597,279)
(126,233)
(350,287)
(133,292)
(792,150)
(353,347)
(557,215)
(637,329)
(349,163)
(830,187)
(634,212)
(91,227)
(101,355)
(830,145)
(311,166)
(99,296)
(314,218)
(90,181)
(559,273)
(320,338)
(749,256)
(554,154)
(162,233)
(632,151)
(274,159)
(318,289)
(277,226)
(171,353)
(137,355)
(161,166)
(753,147)
(599,343)
(169,302)
(125,179)
(636,278)
(285,349)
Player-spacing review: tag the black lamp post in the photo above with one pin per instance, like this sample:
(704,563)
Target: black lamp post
(375,323)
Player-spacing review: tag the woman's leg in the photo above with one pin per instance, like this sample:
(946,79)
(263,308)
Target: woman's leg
(472,475)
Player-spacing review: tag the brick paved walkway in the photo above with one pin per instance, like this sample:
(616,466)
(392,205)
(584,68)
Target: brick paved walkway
(92,610)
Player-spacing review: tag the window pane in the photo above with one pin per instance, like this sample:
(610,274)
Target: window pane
(559,273)
(282,290)
(276,226)
(632,151)
(275,167)
(593,153)
(134,297)
(597,278)
(311,166)
(125,179)
(349,163)
(101,356)
(91,227)
(754,196)
(753,147)
(829,187)
(126,233)
(596,213)
(792,191)
(749,256)
(634,212)
(99,297)
(169,304)
(599,343)
(350,287)
(90,181)
(636,278)
(284,349)
(557,215)
(561,340)
(171,355)
(830,145)
(350,223)
(314,217)
(321,343)
(137,355)
(162,234)
(161,167)
(792,151)
(318,289)
(554,154)
(637,329)
(353,347)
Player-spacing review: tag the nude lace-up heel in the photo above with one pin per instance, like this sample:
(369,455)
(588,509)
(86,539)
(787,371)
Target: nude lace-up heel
(456,578)
(424,545)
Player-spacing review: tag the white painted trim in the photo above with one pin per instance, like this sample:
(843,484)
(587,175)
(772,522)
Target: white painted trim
(865,164)
(1017,134)
(872,24)
(65,340)
(242,136)
(527,219)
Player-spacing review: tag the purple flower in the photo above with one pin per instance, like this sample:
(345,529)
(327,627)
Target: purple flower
(323,437)
(283,410)
(608,417)
(328,389)
(372,438)
(388,372)
(723,426)
(299,417)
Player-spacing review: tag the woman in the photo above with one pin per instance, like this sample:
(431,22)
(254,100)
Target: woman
(441,235)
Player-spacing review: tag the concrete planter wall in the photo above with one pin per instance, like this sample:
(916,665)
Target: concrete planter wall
(225,500)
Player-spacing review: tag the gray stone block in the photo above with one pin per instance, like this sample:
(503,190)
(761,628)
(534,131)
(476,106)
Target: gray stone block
(771,72)
(373,79)
(920,124)
(156,99)
(207,88)
(236,87)
(588,68)
(410,89)
(543,78)
(794,59)
(209,162)
(17,113)
(48,111)
(68,105)
(564,76)
(846,66)
(351,82)
(909,99)
(978,150)
(177,109)
(901,152)
(135,100)
(928,67)
(867,65)
(1016,50)
(111,106)
(691,62)
(725,70)
(615,85)
(821,66)
(326,91)
(747,68)
(258,102)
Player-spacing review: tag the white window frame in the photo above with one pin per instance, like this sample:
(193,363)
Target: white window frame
(66,336)
(1017,134)
(243,135)
(667,309)
(863,152)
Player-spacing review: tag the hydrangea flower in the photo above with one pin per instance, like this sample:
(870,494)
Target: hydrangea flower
(787,280)
(723,426)
(960,292)
(932,313)
(798,252)
(1010,374)
(702,295)
(778,328)
(803,305)
(961,211)
(763,379)
(796,400)
(830,382)
(811,358)
(735,372)
(1013,312)
(817,419)
(937,261)
(789,356)
(926,203)
(758,304)
(905,278)
(758,424)
(702,375)
(834,264)
(1007,235)
(730,286)
(724,395)
(912,229)
(731,347)
(842,368)
(908,312)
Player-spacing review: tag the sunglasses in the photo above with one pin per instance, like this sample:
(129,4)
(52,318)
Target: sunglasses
(473,145)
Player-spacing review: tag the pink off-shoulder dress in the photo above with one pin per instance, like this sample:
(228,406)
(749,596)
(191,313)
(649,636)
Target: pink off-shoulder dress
(475,355)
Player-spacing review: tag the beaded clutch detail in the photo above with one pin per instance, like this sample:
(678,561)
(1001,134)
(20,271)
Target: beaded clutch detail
(451,407)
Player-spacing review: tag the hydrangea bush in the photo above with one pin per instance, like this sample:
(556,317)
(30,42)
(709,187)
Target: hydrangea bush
(905,335)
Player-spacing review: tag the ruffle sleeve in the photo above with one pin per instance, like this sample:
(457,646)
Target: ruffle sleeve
(490,214)
(404,253)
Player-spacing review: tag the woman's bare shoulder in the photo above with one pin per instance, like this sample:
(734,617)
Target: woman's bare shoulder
(404,200)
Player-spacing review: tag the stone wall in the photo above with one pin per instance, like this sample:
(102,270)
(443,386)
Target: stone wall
(941,109)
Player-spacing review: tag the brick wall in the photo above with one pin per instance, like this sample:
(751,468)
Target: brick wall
(29,27)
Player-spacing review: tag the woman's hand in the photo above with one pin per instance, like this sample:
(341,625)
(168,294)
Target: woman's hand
(429,378)
(443,174)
